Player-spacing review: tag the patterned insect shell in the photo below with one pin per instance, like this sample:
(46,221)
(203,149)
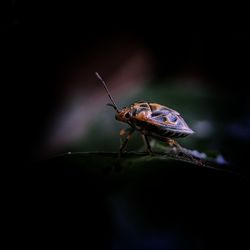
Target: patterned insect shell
(154,120)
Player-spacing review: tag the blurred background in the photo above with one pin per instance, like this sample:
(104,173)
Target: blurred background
(56,104)
(54,50)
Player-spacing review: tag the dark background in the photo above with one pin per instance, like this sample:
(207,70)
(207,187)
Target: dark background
(41,44)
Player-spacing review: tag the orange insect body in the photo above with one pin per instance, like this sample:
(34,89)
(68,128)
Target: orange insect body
(155,120)
(150,119)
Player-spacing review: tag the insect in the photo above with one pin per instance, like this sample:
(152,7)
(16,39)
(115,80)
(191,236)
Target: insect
(151,120)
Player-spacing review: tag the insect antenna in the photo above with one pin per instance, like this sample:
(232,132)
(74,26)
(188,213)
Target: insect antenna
(109,94)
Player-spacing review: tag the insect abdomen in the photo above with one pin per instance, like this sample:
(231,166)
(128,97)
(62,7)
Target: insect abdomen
(174,134)
(156,130)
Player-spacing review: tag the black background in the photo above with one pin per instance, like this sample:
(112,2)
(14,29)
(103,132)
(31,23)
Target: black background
(37,39)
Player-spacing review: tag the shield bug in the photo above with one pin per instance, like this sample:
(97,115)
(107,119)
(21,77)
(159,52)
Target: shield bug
(151,120)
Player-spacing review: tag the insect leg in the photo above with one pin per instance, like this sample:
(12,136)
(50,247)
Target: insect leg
(147,144)
(183,151)
(172,143)
(124,143)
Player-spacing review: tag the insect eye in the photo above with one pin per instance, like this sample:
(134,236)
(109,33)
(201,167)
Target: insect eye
(127,115)
(172,118)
